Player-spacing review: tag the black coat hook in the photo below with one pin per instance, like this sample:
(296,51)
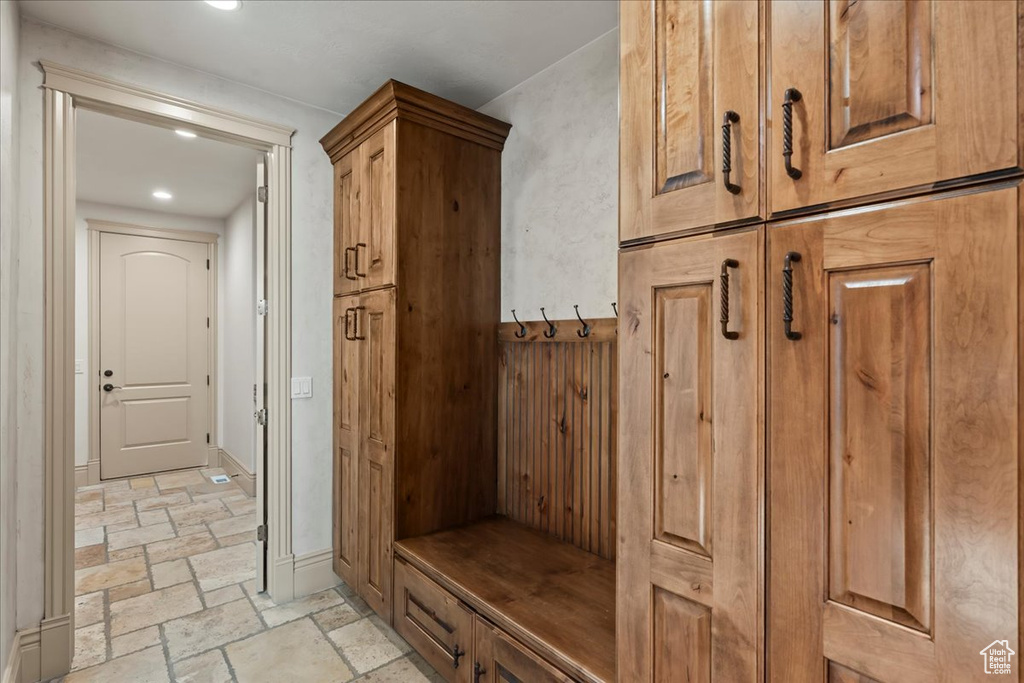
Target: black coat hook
(552,330)
(616,309)
(522,328)
(585,332)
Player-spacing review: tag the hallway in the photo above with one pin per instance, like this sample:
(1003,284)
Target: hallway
(164,584)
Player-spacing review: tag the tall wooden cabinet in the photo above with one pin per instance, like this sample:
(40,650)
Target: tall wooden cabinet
(417,187)
(820,467)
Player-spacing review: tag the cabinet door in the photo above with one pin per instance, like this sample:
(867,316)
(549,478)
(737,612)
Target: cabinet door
(346,440)
(893,95)
(685,67)
(376,333)
(689,561)
(434,622)
(375,258)
(499,659)
(893,441)
(346,224)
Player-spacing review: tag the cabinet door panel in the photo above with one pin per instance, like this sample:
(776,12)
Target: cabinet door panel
(376,331)
(346,224)
(499,659)
(346,441)
(690,485)
(894,95)
(377,197)
(683,66)
(893,441)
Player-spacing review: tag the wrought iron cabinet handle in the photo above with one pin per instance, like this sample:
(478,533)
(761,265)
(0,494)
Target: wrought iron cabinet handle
(728,119)
(791,95)
(347,250)
(478,672)
(726,265)
(457,654)
(355,326)
(347,326)
(356,249)
(787,294)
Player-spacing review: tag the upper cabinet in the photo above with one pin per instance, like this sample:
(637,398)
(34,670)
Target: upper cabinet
(875,98)
(690,149)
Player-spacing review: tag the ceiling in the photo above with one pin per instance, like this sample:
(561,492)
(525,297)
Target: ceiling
(123,162)
(334,54)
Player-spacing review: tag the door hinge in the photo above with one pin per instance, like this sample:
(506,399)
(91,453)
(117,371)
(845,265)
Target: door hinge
(207,437)
(207,322)
(261,193)
(261,533)
(207,264)
(207,380)
(262,306)
(261,417)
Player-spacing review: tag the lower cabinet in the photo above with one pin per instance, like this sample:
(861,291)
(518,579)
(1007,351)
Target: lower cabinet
(462,646)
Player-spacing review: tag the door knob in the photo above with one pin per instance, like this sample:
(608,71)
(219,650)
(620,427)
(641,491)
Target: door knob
(108,373)
(110,387)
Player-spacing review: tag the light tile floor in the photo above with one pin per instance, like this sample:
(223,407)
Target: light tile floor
(164,581)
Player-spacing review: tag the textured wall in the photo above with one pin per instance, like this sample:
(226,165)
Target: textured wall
(559,186)
(118,214)
(9,95)
(311,278)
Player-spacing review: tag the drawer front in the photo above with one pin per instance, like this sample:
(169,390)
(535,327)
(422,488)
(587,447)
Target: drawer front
(500,659)
(434,622)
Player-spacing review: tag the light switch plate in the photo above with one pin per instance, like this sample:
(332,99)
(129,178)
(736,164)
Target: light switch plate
(79,366)
(302,387)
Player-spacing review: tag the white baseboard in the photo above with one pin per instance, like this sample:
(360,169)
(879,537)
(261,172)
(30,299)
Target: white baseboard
(314,572)
(238,472)
(87,474)
(12,672)
(41,652)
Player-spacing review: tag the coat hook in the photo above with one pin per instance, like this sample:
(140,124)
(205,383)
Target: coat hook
(522,328)
(616,309)
(585,332)
(552,330)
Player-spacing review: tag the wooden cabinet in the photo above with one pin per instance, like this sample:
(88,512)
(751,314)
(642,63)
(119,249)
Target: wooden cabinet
(690,81)
(417,284)
(894,461)
(892,96)
(690,557)
(497,658)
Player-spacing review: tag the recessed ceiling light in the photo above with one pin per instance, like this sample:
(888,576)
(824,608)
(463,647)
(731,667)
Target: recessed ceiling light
(185,133)
(162,194)
(226,5)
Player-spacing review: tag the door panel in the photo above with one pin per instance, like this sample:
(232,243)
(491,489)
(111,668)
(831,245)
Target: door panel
(346,224)
(888,109)
(499,659)
(690,563)
(375,258)
(346,440)
(893,446)
(375,329)
(684,65)
(154,339)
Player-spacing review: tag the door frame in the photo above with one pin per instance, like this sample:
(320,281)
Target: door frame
(65,90)
(95,229)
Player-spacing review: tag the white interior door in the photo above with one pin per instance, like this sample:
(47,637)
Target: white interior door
(154,341)
(259,390)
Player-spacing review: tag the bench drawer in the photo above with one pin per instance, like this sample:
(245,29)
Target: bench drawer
(434,622)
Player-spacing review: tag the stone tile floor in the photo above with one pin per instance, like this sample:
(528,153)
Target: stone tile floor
(165,572)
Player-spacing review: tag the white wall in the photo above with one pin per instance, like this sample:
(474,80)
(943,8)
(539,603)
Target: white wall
(238,343)
(9,96)
(118,214)
(311,278)
(559,186)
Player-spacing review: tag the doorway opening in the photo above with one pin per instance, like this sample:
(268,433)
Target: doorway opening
(170,390)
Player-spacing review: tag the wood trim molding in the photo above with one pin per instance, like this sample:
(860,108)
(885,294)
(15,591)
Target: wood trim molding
(237,471)
(65,89)
(145,231)
(314,572)
(161,109)
(394,99)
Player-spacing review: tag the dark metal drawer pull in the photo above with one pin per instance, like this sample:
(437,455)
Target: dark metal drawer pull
(787,294)
(728,119)
(791,95)
(726,265)
(356,249)
(348,249)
